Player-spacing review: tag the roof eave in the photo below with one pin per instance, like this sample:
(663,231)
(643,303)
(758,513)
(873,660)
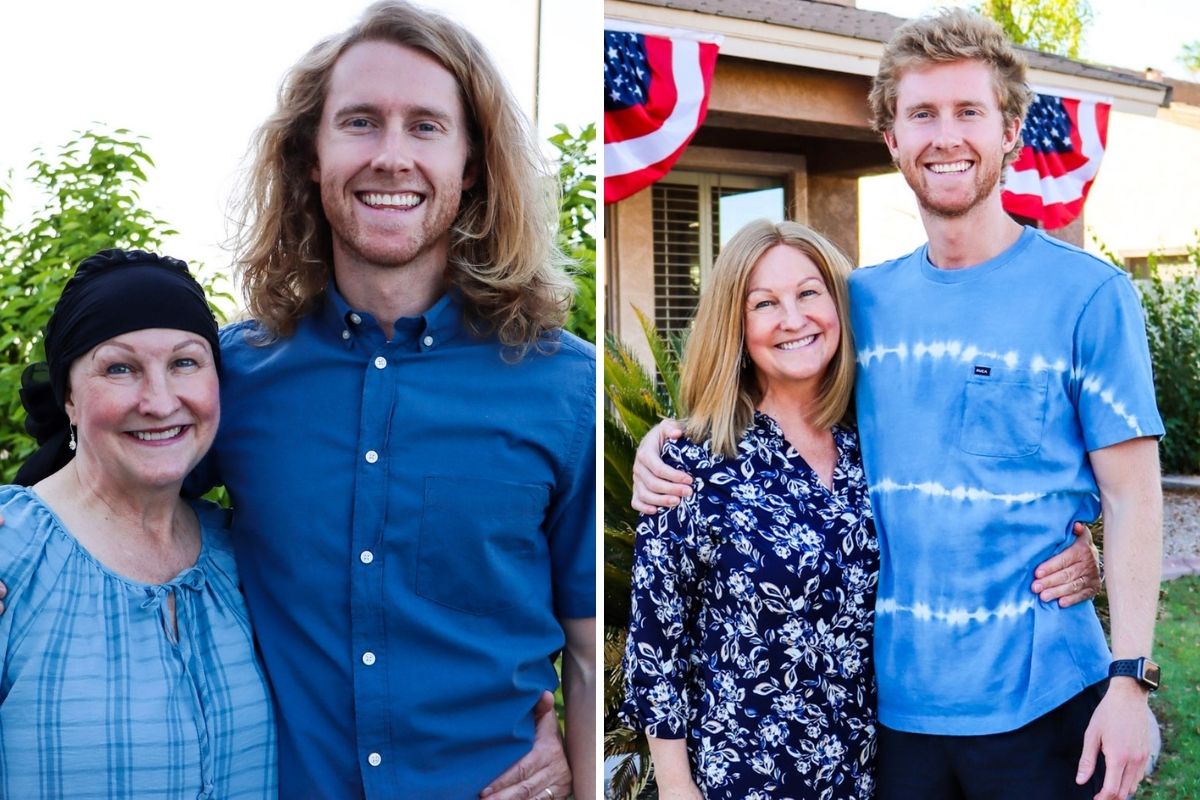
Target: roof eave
(785,44)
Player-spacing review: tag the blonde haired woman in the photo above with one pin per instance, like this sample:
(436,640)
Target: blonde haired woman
(748,661)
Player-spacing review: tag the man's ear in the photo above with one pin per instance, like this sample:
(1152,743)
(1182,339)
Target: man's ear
(889,139)
(470,174)
(1012,131)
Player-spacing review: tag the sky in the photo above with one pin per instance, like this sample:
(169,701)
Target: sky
(1134,35)
(198,79)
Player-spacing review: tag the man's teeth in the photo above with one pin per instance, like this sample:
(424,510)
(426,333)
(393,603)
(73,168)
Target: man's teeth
(405,200)
(807,340)
(156,436)
(956,166)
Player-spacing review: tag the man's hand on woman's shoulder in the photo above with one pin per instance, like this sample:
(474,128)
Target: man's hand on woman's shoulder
(655,485)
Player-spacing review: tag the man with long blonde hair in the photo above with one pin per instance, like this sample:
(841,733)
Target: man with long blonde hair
(408,435)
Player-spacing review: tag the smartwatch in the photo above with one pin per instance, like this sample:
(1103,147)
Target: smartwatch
(1142,670)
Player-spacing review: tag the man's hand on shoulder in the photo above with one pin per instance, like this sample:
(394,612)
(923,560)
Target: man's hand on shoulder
(1073,575)
(655,485)
(543,767)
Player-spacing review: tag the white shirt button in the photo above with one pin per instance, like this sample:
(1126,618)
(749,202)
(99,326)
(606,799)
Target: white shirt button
(366,556)
(374,759)
(368,658)
(428,340)
(356,319)
(372,456)
(380,362)
(345,334)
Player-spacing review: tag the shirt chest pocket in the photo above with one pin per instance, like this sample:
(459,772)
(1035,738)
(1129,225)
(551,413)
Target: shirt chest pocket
(482,548)
(1004,414)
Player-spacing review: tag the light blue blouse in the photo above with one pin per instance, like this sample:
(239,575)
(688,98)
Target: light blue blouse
(98,699)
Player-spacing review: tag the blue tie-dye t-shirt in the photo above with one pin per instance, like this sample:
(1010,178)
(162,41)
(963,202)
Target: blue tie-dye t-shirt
(980,393)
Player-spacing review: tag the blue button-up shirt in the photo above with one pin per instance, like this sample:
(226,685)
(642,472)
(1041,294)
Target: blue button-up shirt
(412,518)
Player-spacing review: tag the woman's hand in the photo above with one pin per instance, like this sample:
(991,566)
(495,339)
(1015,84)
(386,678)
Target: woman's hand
(1073,575)
(655,485)
(687,792)
(672,770)
(544,767)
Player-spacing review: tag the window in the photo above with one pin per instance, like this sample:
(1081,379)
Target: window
(694,214)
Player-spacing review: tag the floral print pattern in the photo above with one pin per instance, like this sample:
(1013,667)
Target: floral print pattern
(752,612)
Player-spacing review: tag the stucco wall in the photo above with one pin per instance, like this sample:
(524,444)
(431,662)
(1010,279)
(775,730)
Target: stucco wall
(1147,195)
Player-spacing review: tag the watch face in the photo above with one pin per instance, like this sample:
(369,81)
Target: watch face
(1151,674)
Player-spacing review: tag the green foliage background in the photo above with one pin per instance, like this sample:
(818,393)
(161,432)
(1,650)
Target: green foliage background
(1052,26)
(1189,56)
(1173,332)
(577,219)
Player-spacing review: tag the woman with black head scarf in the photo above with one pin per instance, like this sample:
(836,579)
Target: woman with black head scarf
(128,664)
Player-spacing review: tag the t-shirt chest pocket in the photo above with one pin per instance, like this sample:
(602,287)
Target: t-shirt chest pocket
(1003,412)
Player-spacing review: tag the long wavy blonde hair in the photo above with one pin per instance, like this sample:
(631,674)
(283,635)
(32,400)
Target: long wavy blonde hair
(719,385)
(503,259)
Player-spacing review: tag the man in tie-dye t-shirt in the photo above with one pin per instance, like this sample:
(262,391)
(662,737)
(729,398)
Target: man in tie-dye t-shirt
(1004,391)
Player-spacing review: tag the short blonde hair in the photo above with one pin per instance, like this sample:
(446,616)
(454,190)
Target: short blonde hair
(719,387)
(955,34)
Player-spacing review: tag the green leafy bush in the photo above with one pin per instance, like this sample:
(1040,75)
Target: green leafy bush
(577,217)
(1173,331)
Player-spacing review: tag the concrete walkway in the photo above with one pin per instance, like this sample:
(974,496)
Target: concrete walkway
(1183,558)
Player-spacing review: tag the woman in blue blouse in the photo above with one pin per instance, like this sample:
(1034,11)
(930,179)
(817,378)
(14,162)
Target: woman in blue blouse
(128,665)
(748,660)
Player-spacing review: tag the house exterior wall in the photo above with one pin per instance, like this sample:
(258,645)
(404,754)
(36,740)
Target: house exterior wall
(1147,194)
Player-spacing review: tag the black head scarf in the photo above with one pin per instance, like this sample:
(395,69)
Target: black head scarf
(111,293)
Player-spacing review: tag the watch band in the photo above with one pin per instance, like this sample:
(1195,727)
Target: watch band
(1142,670)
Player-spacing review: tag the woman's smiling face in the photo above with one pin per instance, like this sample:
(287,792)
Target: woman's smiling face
(146,405)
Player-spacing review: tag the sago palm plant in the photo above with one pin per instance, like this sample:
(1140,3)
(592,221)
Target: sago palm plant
(637,400)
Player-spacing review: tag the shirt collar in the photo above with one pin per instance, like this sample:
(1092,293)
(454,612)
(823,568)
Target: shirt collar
(439,323)
(765,434)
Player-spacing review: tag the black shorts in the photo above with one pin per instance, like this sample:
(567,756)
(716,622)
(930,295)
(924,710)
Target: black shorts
(1034,762)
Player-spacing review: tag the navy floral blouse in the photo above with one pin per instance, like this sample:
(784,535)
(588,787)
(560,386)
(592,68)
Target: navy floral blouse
(752,613)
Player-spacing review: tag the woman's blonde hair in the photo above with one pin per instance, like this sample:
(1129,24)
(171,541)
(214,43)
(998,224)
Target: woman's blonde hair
(503,258)
(719,385)
(953,35)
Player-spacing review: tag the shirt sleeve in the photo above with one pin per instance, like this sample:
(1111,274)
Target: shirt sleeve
(571,522)
(1114,384)
(662,617)
(22,544)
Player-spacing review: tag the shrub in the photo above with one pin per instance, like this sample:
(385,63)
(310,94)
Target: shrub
(1173,333)
(576,218)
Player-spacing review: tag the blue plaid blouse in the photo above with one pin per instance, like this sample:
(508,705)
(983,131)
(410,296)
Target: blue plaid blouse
(97,700)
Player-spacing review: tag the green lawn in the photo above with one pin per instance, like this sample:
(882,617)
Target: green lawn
(1177,703)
